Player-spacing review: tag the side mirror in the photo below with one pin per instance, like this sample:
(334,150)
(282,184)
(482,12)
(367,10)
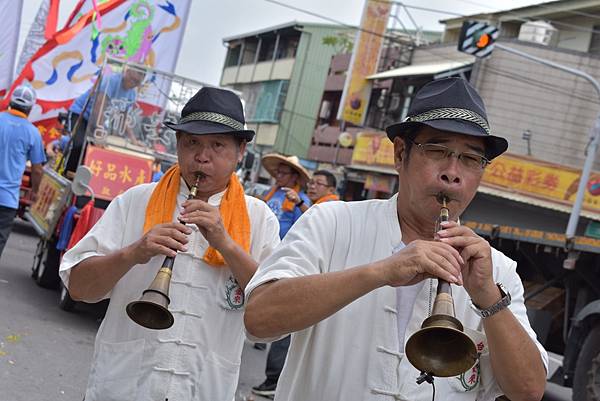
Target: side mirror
(81,182)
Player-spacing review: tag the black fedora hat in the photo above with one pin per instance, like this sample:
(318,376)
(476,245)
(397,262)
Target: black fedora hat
(213,111)
(453,105)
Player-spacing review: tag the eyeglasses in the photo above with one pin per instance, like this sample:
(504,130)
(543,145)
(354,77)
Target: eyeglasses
(469,160)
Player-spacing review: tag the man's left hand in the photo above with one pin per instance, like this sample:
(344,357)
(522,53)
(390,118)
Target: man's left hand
(477,272)
(208,220)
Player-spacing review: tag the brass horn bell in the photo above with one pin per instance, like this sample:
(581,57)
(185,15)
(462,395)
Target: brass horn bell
(151,310)
(440,347)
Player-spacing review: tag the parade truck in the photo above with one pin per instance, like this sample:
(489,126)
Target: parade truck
(522,207)
(123,144)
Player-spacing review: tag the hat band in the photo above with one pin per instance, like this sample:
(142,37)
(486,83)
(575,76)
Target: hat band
(213,118)
(451,113)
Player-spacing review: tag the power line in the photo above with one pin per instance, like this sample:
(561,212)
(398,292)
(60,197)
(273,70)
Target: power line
(508,74)
(559,23)
(541,5)
(338,22)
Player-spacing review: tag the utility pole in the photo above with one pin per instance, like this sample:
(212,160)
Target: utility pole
(592,147)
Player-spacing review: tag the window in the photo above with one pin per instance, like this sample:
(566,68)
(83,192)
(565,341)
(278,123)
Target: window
(233,55)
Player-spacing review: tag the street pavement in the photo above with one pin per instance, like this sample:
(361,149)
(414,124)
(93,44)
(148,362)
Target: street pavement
(45,352)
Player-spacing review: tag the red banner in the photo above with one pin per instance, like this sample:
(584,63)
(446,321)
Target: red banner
(114,172)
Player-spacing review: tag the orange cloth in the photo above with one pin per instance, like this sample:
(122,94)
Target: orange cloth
(17,113)
(327,198)
(288,205)
(88,216)
(234,213)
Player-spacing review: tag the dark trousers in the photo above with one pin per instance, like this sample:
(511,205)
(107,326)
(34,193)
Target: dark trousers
(276,359)
(7,216)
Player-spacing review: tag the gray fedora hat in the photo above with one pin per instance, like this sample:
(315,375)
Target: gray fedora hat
(453,105)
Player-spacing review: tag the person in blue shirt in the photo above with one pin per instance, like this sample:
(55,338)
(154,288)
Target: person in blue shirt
(287,195)
(119,90)
(20,141)
(286,199)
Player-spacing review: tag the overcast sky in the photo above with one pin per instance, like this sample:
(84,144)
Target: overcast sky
(203,53)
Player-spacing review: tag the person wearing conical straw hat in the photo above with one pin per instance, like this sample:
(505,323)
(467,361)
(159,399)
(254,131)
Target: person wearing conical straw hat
(287,195)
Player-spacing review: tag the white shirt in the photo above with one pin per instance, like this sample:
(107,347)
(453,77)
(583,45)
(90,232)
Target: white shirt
(355,354)
(198,358)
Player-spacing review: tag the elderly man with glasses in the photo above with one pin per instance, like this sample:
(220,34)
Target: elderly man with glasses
(354,280)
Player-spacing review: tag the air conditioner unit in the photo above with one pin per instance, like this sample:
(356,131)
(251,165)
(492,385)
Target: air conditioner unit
(325,111)
(382,99)
(394,103)
(540,32)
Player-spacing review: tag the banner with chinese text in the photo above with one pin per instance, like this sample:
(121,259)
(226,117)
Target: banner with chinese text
(146,32)
(114,172)
(365,57)
(543,180)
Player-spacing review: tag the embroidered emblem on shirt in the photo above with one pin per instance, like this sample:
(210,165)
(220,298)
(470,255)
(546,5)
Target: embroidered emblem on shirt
(234,294)
(470,378)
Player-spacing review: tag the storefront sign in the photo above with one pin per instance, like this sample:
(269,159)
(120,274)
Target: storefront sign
(380,183)
(544,180)
(373,148)
(365,57)
(114,172)
(52,196)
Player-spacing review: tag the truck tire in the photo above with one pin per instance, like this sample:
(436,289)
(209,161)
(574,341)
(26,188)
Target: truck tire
(65,302)
(586,384)
(46,275)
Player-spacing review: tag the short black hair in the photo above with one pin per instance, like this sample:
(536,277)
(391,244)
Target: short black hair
(331,181)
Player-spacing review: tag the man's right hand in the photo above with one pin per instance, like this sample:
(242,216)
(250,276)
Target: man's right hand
(163,239)
(420,260)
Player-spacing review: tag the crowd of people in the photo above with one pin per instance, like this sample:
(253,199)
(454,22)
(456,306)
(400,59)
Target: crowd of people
(336,288)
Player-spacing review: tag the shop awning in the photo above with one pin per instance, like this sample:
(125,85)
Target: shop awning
(423,69)
(534,201)
(373,169)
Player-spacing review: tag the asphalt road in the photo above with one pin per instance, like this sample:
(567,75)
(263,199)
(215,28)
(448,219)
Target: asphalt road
(45,352)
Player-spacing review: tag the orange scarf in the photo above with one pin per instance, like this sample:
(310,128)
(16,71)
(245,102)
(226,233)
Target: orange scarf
(234,213)
(17,113)
(327,198)
(287,205)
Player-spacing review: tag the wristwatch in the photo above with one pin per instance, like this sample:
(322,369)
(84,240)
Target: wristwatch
(300,203)
(495,308)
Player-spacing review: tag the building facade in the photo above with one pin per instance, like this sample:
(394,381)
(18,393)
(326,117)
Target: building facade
(281,73)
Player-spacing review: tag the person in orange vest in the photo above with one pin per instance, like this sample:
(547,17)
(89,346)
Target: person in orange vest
(321,188)
(20,141)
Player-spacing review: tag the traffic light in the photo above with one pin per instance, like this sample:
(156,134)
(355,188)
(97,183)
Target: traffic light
(477,38)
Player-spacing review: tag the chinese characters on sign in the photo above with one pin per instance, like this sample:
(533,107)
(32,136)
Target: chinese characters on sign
(114,172)
(545,180)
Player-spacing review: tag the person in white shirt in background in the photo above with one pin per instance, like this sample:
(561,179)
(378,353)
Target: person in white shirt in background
(353,280)
(219,240)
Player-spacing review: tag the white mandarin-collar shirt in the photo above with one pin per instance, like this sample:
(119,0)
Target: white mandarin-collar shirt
(198,358)
(356,353)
